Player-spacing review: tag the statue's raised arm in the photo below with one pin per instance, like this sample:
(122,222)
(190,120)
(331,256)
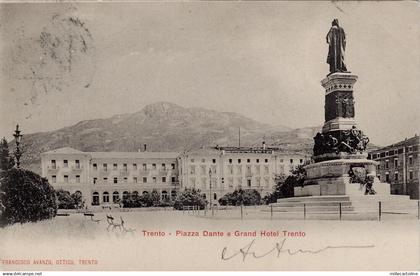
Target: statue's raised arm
(336,38)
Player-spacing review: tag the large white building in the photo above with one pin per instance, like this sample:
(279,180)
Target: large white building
(106,177)
(222,170)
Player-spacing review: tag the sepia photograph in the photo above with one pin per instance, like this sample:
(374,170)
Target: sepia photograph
(209,136)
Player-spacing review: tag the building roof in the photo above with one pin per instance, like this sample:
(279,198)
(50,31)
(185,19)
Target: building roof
(132,155)
(65,150)
(406,142)
(113,154)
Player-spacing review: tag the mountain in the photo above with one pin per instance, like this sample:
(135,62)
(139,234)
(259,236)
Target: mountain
(162,126)
(165,126)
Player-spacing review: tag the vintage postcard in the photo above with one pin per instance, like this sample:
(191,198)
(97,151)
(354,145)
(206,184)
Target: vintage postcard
(210,136)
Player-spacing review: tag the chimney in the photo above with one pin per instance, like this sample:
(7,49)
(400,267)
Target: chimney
(145,147)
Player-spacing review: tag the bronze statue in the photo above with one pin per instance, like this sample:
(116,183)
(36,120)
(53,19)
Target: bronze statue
(336,38)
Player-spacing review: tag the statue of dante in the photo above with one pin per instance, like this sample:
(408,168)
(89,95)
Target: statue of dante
(336,38)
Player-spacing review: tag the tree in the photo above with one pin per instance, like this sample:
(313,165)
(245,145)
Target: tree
(285,185)
(6,161)
(65,200)
(26,197)
(78,201)
(189,197)
(278,189)
(241,197)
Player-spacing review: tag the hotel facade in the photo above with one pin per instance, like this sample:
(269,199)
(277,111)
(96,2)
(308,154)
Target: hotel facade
(399,165)
(105,178)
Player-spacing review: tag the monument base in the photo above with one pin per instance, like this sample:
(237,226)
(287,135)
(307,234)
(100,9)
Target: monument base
(334,177)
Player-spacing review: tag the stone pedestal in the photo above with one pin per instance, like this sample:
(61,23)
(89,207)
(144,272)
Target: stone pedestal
(341,166)
(333,177)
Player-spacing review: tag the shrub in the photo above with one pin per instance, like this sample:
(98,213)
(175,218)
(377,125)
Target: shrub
(26,197)
(65,200)
(241,197)
(189,197)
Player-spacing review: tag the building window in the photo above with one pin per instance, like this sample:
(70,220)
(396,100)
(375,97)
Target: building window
(134,167)
(125,167)
(396,162)
(105,197)
(386,164)
(125,179)
(95,166)
(105,167)
(115,167)
(163,179)
(115,197)
(291,161)
(411,175)
(173,166)
(95,180)
(248,182)
(214,196)
(396,176)
(95,198)
(77,162)
(230,161)
(126,195)
(378,167)
(266,160)
(53,164)
(258,160)
(105,179)
(173,179)
(410,148)
(248,160)
(77,178)
(410,160)
(54,179)
(135,180)
(214,161)
(144,179)
(301,161)
(154,166)
(144,167)
(164,167)
(387,177)
(66,179)
(239,161)
(65,163)
(115,180)
(154,179)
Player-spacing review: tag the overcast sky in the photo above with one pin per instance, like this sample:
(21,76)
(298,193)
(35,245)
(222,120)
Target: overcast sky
(63,63)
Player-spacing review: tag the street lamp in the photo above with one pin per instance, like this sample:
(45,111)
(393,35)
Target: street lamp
(18,139)
(210,173)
